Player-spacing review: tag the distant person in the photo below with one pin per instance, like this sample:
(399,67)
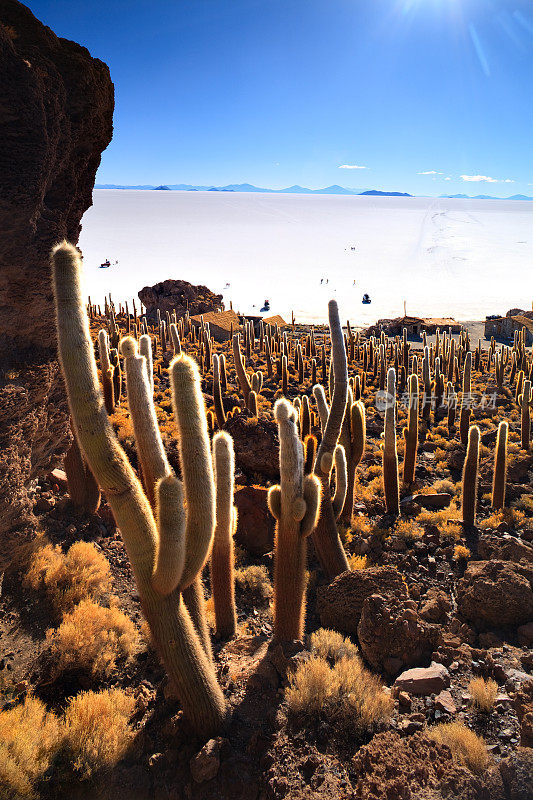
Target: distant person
(321,281)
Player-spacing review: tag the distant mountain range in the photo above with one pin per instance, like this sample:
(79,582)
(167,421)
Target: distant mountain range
(484,197)
(247,187)
(335,189)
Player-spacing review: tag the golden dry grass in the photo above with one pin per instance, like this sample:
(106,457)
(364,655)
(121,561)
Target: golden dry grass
(358,562)
(483,693)
(92,638)
(254,581)
(346,694)
(467,747)
(460,552)
(331,646)
(29,739)
(82,572)
(97,730)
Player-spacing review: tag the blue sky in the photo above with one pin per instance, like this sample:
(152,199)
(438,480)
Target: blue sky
(282,92)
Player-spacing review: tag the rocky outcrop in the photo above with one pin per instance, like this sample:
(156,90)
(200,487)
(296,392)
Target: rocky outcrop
(392,636)
(496,594)
(179,296)
(341,602)
(57,110)
(255,524)
(256,444)
(523,705)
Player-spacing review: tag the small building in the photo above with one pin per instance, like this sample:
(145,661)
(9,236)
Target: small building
(505,327)
(276,320)
(448,324)
(221,323)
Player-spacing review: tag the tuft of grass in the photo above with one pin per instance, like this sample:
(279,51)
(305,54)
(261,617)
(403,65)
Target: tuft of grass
(254,582)
(466,746)
(409,530)
(331,646)
(483,693)
(29,740)
(461,553)
(92,638)
(358,562)
(346,695)
(81,573)
(97,730)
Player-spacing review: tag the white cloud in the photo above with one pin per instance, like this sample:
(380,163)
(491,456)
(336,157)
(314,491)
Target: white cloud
(429,172)
(485,179)
(351,166)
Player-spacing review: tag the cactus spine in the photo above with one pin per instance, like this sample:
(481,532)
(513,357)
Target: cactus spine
(390,455)
(470,475)
(410,434)
(500,467)
(222,557)
(294,504)
(189,667)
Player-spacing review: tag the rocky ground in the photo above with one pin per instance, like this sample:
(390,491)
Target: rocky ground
(430,606)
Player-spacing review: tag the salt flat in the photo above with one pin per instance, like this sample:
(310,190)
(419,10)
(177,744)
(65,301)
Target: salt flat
(461,258)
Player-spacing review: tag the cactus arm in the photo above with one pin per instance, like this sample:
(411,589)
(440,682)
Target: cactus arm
(470,477)
(500,466)
(341,480)
(390,454)
(242,377)
(217,394)
(174,335)
(311,495)
(170,624)
(222,556)
(196,464)
(171,527)
(338,401)
(145,349)
(274,501)
(152,456)
(358,430)
(322,405)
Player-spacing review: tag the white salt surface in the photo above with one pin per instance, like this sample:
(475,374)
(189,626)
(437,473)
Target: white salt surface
(460,258)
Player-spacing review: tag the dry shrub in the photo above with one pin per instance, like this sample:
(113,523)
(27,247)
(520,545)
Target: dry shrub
(331,646)
(510,516)
(461,553)
(97,730)
(409,530)
(467,747)
(483,693)
(92,638)
(254,582)
(345,694)
(29,739)
(67,578)
(358,562)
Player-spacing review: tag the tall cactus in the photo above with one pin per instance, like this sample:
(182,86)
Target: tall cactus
(470,477)
(217,393)
(188,664)
(82,487)
(326,536)
(353,439)
(391,487)
(500,466)
(524,401)
(242,377)
(466,412)
(294,504)
(222,555)
(410,434)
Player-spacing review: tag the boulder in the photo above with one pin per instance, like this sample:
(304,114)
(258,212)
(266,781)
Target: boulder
(436,500)
(205,764)
(392,636)
(505,548)
(435,605)
(496,593)
(256,444)
(424,680)
(517,774)
(523,705)
(57,112)
(255,528)
(179,296)
(340,603)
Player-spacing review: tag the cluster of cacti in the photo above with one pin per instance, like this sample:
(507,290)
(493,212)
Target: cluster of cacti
(391,487)
(168,559)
